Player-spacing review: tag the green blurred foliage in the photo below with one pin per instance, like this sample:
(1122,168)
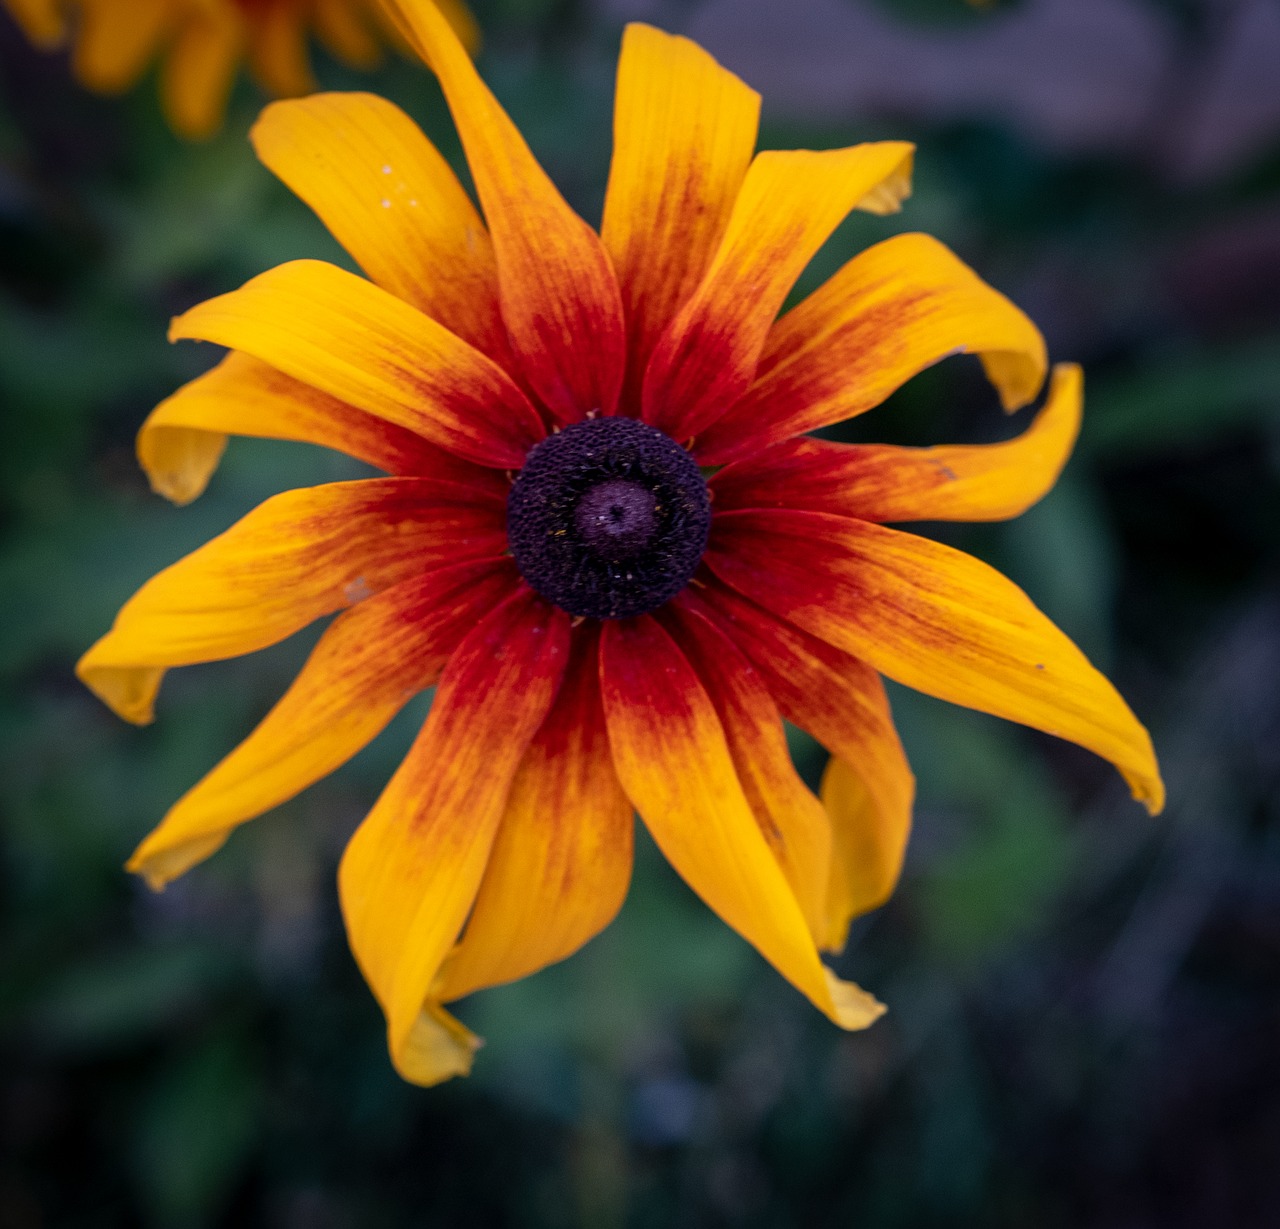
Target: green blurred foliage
(1082,1001)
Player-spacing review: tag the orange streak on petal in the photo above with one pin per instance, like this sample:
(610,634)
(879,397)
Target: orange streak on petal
(393,202)
(934,619)
(412,870)
(561,861)
(792,821)
(293,559)
(790,202)
(983,482)
(892,311)
(675,764)
(369,663)
(560,299)
(684,132)
(354,341)
(183,438)
(842,703)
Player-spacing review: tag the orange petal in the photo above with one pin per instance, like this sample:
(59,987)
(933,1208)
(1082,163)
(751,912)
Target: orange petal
(42,21)
(342,28)
(278,48)
(684,130)
(560,299)
(181,442)
(791,201)
(113,44)
(934,619)
(345,336)
(792,821)
(889,313)
(300,555)
(199,67)
(393,202)
(412,870)
(675,764)
(561,861)
(868,788)
(985,482)
(369,663)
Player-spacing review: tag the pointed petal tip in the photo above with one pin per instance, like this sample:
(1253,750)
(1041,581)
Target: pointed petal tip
(855,1008)
(436,1047)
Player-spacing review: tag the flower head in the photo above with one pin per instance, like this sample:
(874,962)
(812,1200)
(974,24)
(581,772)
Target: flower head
(605,537)
(199,44)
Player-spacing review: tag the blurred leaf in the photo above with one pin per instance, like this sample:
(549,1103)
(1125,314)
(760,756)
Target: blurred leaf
(194,1132)
(1181,398)
(112,1000)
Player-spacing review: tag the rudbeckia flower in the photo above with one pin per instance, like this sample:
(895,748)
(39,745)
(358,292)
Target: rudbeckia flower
(200,43)
(605,536)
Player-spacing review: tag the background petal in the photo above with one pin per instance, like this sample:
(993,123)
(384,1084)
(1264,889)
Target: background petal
(199,67)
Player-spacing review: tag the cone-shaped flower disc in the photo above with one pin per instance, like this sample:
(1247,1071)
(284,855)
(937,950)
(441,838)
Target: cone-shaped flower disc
(604,535)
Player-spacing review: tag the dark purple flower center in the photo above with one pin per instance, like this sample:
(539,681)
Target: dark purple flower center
(608,518)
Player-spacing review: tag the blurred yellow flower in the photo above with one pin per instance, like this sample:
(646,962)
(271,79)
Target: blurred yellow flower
(201,42)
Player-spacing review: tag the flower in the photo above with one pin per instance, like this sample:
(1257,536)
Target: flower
(606,626)
(200,42)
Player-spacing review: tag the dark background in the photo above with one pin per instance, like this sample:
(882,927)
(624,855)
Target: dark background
(1084,1005)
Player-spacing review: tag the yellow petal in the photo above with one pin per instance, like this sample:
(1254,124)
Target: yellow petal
(341,26)
(412,870)
(183,438)
(791,201)
(114,44)
(793,822)
(369,663)
(277,39)
(561,860)
(672,758)
(393,202)
(878,482)
(199,67)
(934,619)
(842,703)
(560,300)
(892,311)
(684,130)
(871,844)
(293,559)
(345,336)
